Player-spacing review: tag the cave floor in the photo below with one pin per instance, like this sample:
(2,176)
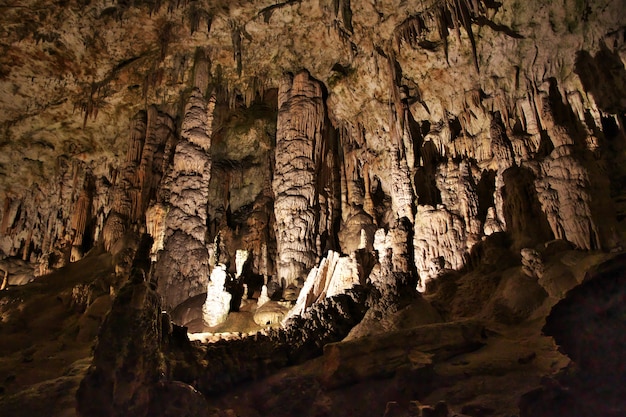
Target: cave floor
(487,381)
(43,358)
(45,343)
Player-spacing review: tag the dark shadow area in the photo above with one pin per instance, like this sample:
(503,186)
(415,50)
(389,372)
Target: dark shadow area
(604,76)
(525,220)
(589,325)
(483,21)
(425,177)
(485,189)
(382,203)
(564,116)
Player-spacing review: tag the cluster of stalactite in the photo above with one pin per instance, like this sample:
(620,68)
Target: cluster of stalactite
(56,222)
(532,168)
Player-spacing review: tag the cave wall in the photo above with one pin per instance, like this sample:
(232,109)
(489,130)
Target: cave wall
(293,128)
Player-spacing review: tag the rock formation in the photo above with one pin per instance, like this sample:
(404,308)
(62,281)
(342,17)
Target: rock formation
(217,304)
(299,146)
(300,162)
(182,267)
(334,275)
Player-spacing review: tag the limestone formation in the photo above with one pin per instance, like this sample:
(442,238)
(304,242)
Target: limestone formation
(292,153)
(532,264)
(299,141)
(440,242)
(217,304)
(118,383)
(370,127)
(241,258)
(183,265)
(334,275)
(347,362)
(155,226)
(492,224)
(271,313)
(564,193)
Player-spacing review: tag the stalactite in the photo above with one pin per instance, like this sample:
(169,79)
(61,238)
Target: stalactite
(235,34)
(81,215)
(137,137)
(160,127)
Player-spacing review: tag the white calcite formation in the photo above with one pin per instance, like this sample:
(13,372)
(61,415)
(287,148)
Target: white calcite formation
(241,257)
(458,194)
(271,313)
(334,275)
(155,226)
(263,297)
(217,305)
(492,224)
(182,265)
(392,248)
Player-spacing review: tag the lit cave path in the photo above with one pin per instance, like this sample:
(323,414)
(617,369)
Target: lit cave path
(589,325)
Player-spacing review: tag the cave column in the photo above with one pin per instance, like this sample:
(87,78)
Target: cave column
(182,266)
(301,116)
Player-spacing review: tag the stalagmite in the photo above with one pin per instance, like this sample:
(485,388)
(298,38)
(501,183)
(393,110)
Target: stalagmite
(217,304)
(492,224)
(472,150)
(458,195)
(334,275)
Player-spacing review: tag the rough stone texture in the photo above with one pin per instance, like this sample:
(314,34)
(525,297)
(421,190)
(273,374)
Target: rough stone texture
(564,194)
(299,140)
(182,267)
(123,371)
(376,356)
(217,367)
(447,136)
(440,242)
(334,275)
(398,106)
(532,264)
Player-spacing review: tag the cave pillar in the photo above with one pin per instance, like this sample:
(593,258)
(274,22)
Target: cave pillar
(182,266)
(299,136)
(121,193)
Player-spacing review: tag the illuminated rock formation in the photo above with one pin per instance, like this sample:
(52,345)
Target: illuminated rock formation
(217,304)
(334,275)
(299,145)
(323,158)
(183,265)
